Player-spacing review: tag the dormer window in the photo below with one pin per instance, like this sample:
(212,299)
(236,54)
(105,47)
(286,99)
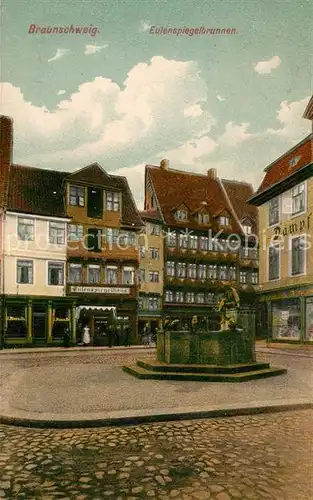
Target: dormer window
(294,161)
(181,214)
(203,218)
(112,201)
(247,228)
(77,196)
(224,220)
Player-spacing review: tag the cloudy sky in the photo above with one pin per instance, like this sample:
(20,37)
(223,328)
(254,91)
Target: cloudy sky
(123,96)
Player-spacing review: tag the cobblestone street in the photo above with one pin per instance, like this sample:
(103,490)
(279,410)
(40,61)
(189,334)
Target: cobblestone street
(266,456)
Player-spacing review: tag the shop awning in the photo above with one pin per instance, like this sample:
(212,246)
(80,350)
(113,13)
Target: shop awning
(95,308)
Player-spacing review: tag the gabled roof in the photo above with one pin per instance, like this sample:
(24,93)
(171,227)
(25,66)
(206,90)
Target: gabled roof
(36,191)
(239,193)
(284,167)
(308,113)
(40,191)
(176,187)
(92,174)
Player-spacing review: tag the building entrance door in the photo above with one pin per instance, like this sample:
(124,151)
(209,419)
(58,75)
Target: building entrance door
(39,324)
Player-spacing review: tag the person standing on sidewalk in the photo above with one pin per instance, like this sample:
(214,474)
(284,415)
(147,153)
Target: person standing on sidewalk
(86,336)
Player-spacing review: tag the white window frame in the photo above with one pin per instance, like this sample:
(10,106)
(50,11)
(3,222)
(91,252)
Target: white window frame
(154,277)
(131,270)
(114,203)
(297,214)
(55,262)
(111,268)
(181,214)
(155,253)
(64,232)
(69,232)
(169,293)
(77,266)
(19,219)
(268,264)
(93,266)
(77,202)
(170,266)
(32,268)
(291,238)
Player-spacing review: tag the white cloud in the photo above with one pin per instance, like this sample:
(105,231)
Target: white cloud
(144,26)
(220,98)
(235,134)
(292,125)
(191,152)
(136,180)
(266,67)
(156,108)
(93,49)
(59,54)
(61,92)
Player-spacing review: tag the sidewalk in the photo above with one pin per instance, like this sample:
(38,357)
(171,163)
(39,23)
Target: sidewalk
(48,350)
(305,351)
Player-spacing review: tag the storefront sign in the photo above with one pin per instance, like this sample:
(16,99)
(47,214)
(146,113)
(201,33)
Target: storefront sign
(293,228)
(286,294)
(107,290)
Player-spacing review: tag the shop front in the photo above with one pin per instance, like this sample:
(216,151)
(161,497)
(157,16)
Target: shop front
(37,321)
(288,315)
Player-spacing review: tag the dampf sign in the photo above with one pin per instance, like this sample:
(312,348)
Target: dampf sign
(99,289)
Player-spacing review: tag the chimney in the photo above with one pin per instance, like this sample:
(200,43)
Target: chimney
(6,148)
(212,173)
(165,164)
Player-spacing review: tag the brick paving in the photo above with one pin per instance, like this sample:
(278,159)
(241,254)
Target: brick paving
(257,457)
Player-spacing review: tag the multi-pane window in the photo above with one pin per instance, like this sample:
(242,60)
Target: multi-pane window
(111,275)
(111,235)
(155,253)
(153,303)
(141,275)
(25,271)
(247,229)
(93,274)
(223,273)
(140,303)
(190,297)
(75,273)
(128,276)
(181,270)
(171,239)
(55,273)
(170,268)
(202,271)
(57,233)
(200,298)
(75,232)
(298,251)
(273,262)
(25,229)
(273,211)
(77,196)
(169,296)
(112,201)
(298,198)
(210,298)
(203,218)
(243,276)
(222,244)
(224,220)
(232,273)
(181,214)
(204,243)
(212,272)
(179,297)
(154,276)
(193,241)
(183,240)
(254,277)
(192,270)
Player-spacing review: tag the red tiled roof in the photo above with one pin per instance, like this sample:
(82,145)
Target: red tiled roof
(239,193)
(280,169)
(175,187)
(150,215)
(36,191)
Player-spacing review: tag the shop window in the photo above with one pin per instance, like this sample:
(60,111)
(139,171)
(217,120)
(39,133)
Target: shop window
(112,201)
(273,211)
(298,198)
(128,276)
(286,319)
(16,321)
(57,233)
(77,196)
(75,273)
(111,275)
(55,273)
(95,203)
(25,272)
(93,274)
(298,253)
(75,232)
(309,320)
(61,313)
(25,229)
(273,262)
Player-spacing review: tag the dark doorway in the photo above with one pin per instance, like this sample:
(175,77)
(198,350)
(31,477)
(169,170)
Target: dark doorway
(94,240)
(39,323)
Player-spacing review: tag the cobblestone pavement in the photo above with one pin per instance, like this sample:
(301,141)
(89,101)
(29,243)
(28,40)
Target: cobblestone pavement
(259,457)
